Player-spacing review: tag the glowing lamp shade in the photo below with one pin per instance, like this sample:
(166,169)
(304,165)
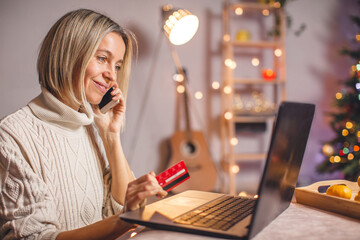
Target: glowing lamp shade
(181,26)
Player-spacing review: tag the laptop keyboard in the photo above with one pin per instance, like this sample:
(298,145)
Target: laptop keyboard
(220,214)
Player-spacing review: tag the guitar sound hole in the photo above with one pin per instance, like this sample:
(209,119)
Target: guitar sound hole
(189,148)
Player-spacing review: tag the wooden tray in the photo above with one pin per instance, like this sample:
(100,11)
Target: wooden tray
(309,195)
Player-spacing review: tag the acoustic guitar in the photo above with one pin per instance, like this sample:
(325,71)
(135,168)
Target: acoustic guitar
(191,147)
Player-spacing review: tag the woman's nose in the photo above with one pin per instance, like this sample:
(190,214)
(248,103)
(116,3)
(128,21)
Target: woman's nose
(110,74)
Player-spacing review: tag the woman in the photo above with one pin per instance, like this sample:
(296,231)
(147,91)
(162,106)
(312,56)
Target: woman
(62,168)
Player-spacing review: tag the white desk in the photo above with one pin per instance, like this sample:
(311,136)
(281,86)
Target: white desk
(296,222)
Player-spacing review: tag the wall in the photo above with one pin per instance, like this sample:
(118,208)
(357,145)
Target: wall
(313,67)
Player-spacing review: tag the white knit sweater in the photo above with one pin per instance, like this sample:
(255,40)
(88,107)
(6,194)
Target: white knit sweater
(54,174)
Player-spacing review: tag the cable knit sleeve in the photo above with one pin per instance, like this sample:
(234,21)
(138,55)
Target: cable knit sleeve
(26,208)
(110,205)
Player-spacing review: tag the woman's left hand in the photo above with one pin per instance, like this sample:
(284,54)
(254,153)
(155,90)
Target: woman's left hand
(112,120)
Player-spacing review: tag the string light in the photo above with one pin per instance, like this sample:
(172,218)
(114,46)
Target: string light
(337,159)
(356,148)
(198,95)
(180,89)
(235,169)
(228,115)
(338,95)
(255,62)
(357,37)
(277,5)
(345,150)
(278,52)
(345,132)
(331,159)
(265,12)
(178,77)
(227,90)
(234,141)
(242,194)
(230,63)
(215,85)
(226,37)
(239,11)
(351,156)
(349,125)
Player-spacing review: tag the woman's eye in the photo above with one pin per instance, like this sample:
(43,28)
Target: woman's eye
(117,68)
(102,59)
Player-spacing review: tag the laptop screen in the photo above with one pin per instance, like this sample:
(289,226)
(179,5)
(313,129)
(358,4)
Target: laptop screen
(288,143)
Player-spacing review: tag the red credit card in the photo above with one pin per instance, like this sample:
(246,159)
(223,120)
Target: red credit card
(173,176)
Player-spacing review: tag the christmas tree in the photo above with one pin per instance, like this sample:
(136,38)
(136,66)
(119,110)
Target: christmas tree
(343,152)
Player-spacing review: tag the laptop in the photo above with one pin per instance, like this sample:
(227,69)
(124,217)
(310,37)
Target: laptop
(182,211)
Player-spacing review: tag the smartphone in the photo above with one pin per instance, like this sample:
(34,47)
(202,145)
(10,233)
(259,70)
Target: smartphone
(107,102)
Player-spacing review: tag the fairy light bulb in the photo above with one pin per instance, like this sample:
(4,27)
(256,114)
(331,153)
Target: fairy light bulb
(265,12)
(227,90)
(278,52)
(198,95)
(255,62)
(180,89)
(215,85)
(345,132)
(349,125)
(226,37)
(234,141)
(337,159)
(239,11)
(338,95)
(235,169)
(351,156)
(178,77)
(228,115)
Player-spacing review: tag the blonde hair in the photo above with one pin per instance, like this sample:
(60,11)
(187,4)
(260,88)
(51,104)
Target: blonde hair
(68,48)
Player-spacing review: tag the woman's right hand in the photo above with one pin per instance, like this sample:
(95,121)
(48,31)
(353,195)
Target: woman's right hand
(140,189)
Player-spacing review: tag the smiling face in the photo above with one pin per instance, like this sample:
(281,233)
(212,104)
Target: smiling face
(101,73)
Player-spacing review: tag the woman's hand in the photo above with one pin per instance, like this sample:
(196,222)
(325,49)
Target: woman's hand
(112,120)
(140,189)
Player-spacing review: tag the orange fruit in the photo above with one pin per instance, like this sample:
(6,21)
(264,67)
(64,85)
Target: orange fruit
(339,191)
(357,197)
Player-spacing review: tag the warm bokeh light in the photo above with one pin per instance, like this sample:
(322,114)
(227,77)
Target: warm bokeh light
(226,37)
(235,169)
(215,85)
(338,95)
(180,89)
(349,125)
(277,5)
(351,156)
(337,159)
(230,63)
(227,89)
(255,62)
(265,12)
(198,95)
(228,115)
(356,148)
(328,150)
(242,194)
(178,77)
(345,132)
(234,141)
(268,74)
(278,52)
(239,11)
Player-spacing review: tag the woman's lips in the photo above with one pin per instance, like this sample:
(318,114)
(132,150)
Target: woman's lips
(101,86)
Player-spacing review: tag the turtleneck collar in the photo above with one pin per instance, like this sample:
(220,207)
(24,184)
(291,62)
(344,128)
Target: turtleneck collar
(50,109)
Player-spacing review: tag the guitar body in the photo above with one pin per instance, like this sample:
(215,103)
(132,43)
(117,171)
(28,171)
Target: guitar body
(195,154)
